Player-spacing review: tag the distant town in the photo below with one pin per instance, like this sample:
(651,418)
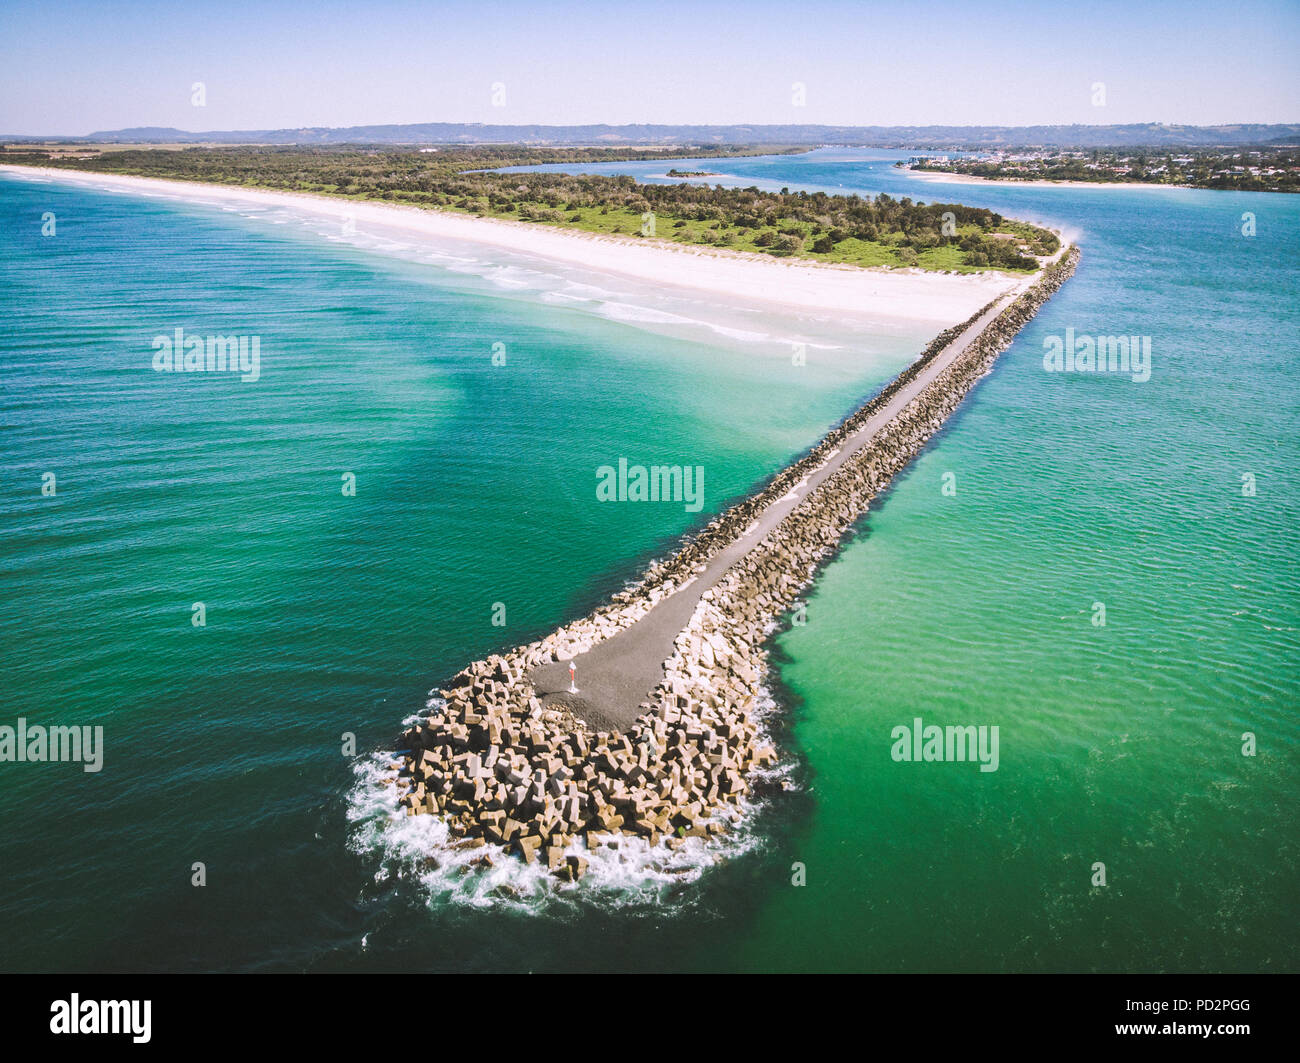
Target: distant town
(1263,169)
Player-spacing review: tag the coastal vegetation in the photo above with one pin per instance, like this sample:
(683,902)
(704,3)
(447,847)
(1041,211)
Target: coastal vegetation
(1268,169)
(850,230)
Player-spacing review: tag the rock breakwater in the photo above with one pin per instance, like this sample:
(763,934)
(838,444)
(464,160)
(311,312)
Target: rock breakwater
(511,773)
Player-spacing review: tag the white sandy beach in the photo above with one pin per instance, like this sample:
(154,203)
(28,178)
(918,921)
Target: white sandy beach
(738,277)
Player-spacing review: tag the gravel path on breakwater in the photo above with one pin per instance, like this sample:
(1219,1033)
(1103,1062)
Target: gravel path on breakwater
(662,740)
(619,672)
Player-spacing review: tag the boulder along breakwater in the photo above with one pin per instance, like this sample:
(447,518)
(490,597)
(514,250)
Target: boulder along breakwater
(514,773)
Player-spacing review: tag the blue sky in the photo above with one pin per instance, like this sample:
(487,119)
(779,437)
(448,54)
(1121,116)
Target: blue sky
(73,68)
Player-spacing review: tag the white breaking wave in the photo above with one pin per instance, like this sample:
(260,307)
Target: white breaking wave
(420,851)
(552,282)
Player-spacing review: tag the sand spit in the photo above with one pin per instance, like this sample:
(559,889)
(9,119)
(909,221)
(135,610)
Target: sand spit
(735,276)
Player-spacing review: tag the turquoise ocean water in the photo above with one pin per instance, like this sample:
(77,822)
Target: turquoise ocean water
(330,614)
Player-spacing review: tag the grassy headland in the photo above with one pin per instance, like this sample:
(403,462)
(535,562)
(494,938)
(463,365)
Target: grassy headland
(851,230)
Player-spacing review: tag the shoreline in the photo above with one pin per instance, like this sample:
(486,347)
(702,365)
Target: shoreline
(852,293)
(513,771)
(944,177)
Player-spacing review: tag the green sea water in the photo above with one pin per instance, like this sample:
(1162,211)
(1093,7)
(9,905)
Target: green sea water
(1171,503)
(329,614)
